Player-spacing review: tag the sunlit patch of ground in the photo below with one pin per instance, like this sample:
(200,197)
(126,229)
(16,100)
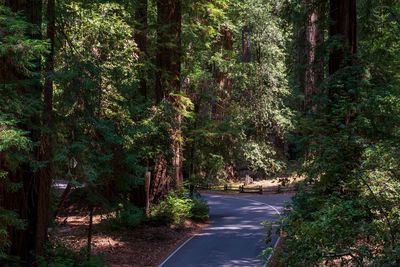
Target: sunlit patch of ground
(143,245)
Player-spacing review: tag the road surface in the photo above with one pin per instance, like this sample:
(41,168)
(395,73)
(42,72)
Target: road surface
(234,234)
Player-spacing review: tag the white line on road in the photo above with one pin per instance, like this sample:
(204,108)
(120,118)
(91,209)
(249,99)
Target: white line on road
(175,251)
(279,238)
(250,200)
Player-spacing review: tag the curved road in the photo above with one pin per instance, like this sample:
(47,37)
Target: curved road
(234,234)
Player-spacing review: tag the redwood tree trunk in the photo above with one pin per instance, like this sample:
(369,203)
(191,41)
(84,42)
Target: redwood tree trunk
(168,81)
(320,35)
(169,48)
(138,192)
(141,41)
(46,142)
(225,94)
(25,200)
(311,35)
(246,44)
(300,58)
(344,26)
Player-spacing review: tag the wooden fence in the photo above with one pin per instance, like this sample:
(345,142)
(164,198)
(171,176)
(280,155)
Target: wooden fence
(248,189)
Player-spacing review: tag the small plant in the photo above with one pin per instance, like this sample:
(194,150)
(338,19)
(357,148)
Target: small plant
(59,256)
(128,217)
(173,210)
(200,210)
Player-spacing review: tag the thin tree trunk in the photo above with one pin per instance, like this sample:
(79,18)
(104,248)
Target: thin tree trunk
(300,58)
(246,44)
(147,192)
(320,29)
(64,198)
(46,142)
(90,231)
(225,94)
(141,41)
(310,78)
(138,193)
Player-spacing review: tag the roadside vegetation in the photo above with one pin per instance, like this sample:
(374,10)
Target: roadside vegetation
(350,136)
(137,104)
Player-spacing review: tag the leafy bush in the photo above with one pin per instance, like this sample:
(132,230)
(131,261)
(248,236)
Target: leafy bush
(124,218)
(60,256)
(200,209)
(7,219)
(178,206)
(173,210)
(345,228)
(262,158)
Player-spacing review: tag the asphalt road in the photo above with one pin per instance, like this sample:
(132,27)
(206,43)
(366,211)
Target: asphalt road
(234,234)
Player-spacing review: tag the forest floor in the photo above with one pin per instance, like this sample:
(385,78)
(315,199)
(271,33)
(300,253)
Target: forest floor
(144,245)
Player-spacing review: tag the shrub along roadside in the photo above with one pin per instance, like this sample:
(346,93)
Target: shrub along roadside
(59,256)
(176,207)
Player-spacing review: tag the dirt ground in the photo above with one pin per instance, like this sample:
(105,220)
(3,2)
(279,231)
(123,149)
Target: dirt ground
(144,245)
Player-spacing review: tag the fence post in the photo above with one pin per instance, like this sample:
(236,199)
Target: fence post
(260,190)
(279,189)
(226,187)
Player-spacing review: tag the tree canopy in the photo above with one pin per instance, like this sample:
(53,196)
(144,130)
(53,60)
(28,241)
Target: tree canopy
(135,101)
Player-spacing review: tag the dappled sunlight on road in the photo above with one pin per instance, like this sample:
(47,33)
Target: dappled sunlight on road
(234,236)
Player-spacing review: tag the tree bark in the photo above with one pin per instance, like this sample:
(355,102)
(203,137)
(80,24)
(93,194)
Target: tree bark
(25,201)
(46,141)
(141,41)
(225,95)
(169,48)
(300,57)
(90,231)
(320,29)
(138,193)
(344,25)
(311,35)
(246,44)
(168,82)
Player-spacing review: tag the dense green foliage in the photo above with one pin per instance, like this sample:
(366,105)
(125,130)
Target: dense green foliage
(59,256)
(16,110)
(176,207)
(350,143)
(244,96)
(256,118)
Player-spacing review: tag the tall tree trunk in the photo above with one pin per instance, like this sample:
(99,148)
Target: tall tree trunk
(225,95)
(46,142)
(300,58)
(168,82)
(141,41)
(343,14)
(246,44)
(320,35)
(311,35)
(25,200)
(344,25)
(138,192)
(169,48)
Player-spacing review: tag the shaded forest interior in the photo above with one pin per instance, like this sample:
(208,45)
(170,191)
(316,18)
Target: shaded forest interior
(134,103)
